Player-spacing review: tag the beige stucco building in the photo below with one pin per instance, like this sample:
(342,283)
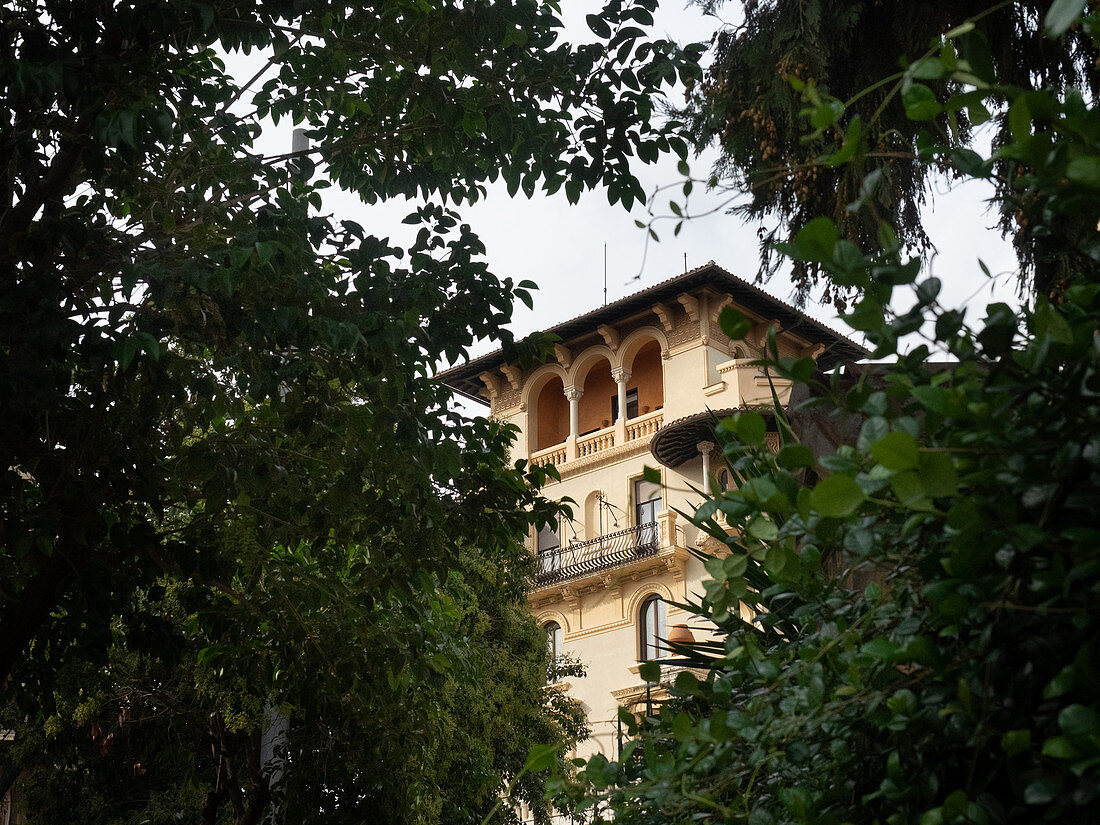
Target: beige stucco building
(632,384)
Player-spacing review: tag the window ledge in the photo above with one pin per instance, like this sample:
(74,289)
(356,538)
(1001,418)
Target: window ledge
(714,389)
(663,660)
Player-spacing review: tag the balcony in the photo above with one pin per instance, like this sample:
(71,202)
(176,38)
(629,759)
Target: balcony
(583,558)
(635,432)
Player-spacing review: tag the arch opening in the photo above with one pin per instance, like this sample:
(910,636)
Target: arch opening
(647,378)
(595,404)
(553,649)
(652,629)
(551,415)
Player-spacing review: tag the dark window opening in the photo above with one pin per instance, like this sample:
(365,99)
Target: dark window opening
(647,504)
(631,405)
(549,548)
(553,646)
(651,629)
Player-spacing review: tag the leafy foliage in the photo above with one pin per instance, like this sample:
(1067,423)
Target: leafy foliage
(921,642)
(418,706)
(848,52)
(190,353)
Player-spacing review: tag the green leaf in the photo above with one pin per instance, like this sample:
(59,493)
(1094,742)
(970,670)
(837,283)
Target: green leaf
(1000,329)
(734,565)
(1016,741)
(1050,323)
(1041,791)
(896,451)
(837,496)
(881,649)
(1019,120)
(931,398)
(1061,15)
(651,474)
(910,491)
(598,25)
(920,102)
(125,350)
(867,316)
(540,757)
(650,672)
(851,143)
(775,560)
(750,428)
(1059,747)
(149,343)
(816,240)
(791,456)
(1079,722)
(733,323)
(826,114)
(1085,171)
(937,474)
(931,68)
(762,529)
(866,189)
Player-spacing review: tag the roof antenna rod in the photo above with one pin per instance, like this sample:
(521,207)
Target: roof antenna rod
(605,274)
(685,262)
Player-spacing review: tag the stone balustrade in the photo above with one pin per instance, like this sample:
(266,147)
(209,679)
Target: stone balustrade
(553,455)
(646,425)
(594,443)
(633,430)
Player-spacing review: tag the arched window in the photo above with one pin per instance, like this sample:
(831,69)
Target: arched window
(651,629)
(647,504)
(549,549)
(646,381)
(594,408)
(551,418)
(553,645)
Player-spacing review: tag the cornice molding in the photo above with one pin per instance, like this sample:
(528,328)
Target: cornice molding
(609,456)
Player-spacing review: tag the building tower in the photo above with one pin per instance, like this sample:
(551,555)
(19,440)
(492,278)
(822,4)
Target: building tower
(633,383)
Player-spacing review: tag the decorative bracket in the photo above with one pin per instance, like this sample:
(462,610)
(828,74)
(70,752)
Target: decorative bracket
(513,374)
(564,356)
(690,305)
(665,314)
(758,335)
(812,351)
(718,305)
(492,384)
(610,336)
(571,597)
(676,568)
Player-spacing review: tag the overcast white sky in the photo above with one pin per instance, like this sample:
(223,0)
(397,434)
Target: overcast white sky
(561,247)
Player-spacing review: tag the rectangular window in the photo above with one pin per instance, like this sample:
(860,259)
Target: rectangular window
(647,504)
(652,630)
(631,405)
(549,549)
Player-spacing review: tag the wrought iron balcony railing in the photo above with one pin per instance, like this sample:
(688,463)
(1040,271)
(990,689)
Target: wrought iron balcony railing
(581,558)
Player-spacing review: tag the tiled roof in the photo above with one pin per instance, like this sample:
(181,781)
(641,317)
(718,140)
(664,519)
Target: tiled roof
(677,441)
(464,377)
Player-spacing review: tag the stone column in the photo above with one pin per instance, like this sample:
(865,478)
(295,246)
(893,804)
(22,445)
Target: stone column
(705,449)
(574,395)
(621,376)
